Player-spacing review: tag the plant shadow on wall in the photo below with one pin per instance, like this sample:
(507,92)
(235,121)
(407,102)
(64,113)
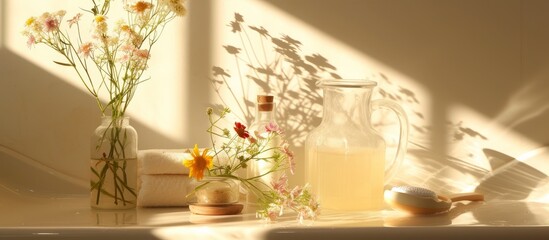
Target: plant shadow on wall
(277,65)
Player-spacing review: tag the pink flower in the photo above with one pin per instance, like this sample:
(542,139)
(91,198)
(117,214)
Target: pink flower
(290,155)
(31,41)
(274,211)
(51,24)
(142,54)
(124,58)
(296,192)
(127,48)
(74,20)
(272,127)
(85,49)
(280,184)
(272,215)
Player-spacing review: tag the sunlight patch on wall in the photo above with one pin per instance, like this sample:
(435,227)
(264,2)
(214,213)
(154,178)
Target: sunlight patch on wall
(503,163)
(475,132)
(161,102)
(483,155)
(158,103)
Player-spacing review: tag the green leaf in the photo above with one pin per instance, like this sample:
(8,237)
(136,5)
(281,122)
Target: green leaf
(63,64)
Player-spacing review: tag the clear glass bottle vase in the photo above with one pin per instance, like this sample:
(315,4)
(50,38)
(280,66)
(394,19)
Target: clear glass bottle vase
(263,169)
(113,164)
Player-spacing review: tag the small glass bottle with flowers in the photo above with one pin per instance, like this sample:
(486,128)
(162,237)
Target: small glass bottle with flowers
(233,151)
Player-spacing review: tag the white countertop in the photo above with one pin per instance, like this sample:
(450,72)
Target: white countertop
(71,217)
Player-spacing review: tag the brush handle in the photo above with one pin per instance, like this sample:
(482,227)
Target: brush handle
(466,197)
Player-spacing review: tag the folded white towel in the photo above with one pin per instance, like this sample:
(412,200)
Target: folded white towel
(162,161)
(163,190)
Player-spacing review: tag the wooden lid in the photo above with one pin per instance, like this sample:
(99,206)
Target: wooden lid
(265,99)
(229,209)
(265,102)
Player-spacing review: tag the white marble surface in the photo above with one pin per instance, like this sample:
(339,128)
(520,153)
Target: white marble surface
(70,217)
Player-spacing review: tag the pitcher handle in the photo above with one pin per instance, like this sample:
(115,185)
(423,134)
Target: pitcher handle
(403,140)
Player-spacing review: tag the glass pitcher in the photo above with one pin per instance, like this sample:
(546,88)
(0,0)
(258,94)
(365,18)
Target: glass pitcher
(345,157)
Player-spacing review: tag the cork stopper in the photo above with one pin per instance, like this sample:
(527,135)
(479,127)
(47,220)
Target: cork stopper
(265,103)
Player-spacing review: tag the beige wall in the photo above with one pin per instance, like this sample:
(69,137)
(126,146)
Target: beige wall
(472,75)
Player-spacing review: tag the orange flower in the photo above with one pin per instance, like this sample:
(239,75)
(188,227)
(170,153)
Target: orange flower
(141,6)
(198,163)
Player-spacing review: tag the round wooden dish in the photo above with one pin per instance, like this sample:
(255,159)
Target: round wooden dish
(227,209)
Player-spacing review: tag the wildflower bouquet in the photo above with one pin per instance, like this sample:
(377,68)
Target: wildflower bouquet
(110,63)
(237,150)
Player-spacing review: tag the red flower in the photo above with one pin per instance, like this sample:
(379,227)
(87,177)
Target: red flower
(240,129)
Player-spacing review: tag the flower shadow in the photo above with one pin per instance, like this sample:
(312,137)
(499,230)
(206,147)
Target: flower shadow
(273,65)
(277,65)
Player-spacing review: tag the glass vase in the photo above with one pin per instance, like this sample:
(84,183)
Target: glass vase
(113,164)
(263,169)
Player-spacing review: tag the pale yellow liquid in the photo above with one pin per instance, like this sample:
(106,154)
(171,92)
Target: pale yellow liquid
(348,180)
